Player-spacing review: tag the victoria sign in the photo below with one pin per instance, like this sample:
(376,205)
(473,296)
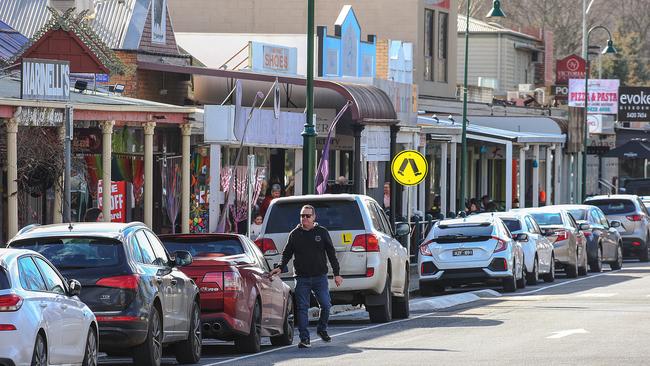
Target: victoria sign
(634,104)
(570,67)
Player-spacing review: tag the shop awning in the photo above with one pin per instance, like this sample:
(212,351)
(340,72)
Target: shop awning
(633,149)
(430,124)
(369,103)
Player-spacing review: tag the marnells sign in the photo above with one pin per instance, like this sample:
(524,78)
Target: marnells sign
(570,67)
(45,79)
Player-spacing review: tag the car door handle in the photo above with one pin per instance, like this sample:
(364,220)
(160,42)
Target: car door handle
(64,306)
(43,305)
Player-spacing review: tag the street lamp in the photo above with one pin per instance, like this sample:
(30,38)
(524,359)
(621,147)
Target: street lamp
(309,132)
(609,49)
(494,12)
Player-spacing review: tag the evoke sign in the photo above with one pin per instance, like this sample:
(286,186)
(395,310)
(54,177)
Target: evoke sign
(45,79)
(634,104)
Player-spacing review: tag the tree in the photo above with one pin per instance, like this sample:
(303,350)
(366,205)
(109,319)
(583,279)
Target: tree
(628,65)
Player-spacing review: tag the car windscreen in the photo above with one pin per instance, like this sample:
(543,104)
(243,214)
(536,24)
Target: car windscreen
(462,231)
(333,215)
(548,218)
(614,206)
(4,279)
(578,214)
(76,252)
(512,224)
(199,247)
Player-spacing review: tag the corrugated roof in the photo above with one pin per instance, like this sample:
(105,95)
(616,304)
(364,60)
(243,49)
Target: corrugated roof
(118,23)
(11,41)
(478,26)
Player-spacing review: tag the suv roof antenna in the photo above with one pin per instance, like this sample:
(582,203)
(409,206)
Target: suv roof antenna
(70,226)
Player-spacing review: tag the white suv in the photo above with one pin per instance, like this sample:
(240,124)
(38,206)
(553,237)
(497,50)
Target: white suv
(478,248)
(374,265)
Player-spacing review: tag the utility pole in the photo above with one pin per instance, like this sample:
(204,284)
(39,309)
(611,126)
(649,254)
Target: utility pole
(68,164)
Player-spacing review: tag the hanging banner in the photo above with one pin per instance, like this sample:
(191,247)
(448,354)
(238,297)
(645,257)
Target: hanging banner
(603,95)
(118,200)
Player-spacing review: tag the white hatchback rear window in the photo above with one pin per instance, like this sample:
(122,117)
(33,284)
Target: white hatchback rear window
(4,279)
(333,215)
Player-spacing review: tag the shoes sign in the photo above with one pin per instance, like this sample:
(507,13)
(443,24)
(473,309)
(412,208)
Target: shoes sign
(634,104)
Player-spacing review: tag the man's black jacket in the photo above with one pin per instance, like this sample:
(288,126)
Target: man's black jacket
(311,249)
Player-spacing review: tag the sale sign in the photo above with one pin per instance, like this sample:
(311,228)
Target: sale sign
(603,95)
(118,200)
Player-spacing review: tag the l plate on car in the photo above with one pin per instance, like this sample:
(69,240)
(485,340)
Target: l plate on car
(462,252)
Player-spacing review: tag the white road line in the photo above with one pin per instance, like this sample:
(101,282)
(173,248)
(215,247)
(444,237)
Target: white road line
(319,340)
(566,333)
(563,283)
(598,295)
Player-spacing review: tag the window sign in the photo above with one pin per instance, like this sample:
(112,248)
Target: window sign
(45,79)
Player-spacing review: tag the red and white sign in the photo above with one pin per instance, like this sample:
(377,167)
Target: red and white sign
(118,200)
(570,67)
(445,4)
(603,95)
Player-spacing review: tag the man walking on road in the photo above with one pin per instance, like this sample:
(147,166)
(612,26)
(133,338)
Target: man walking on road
(312,246)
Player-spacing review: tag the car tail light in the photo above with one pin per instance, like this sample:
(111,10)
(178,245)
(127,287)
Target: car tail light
(267,246)
(587,233)
(501,244)
(424,248)
(232,282)
(127,282)
(370,271)
(118,318)
(561,235)
(634,217)
(365,243)
(4,327)
(10,302)
(636,244)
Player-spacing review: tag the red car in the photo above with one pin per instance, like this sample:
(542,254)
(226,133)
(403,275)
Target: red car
(240,301)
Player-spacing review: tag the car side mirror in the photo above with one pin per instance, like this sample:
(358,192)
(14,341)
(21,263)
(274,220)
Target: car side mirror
(615,224)
(521,237)
(182,258)
(584,227)
(402,229)
(74,288)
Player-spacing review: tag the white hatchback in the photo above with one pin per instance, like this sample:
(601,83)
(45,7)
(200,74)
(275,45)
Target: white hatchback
(478,248)
(42,321)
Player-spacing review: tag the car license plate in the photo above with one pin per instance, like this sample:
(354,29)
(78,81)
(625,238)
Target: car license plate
(463,252)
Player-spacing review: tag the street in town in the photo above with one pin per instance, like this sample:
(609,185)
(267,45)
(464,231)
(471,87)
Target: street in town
(595,320)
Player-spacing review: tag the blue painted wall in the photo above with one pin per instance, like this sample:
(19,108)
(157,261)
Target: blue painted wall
(344,53)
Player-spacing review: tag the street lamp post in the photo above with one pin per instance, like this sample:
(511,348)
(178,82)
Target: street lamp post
(494,12)
(609,49)
(309,132)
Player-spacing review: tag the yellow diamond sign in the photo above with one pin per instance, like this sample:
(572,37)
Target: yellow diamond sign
(409,168)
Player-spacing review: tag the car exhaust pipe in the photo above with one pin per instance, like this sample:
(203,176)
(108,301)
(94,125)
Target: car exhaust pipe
(207,327)
(216,327)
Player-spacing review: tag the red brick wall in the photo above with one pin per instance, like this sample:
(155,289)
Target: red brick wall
(169,47)
(382,59)
(130,80)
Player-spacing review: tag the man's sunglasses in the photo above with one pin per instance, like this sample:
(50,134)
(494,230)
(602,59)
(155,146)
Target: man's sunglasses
(305,216)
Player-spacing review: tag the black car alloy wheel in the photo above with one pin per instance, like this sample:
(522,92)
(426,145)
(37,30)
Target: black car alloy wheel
(90,355)
(39,357)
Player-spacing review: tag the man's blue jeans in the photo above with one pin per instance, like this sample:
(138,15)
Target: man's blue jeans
(304,287)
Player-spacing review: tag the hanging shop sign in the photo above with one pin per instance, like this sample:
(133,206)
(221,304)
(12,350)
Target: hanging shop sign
(570,67)
(603,95)
(39,116)
(409,168)
(595,123)
(45,79)
(634,104)
(118,200)
(272,59)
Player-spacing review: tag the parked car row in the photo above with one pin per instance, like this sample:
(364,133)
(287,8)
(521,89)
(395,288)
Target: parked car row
(138,299)
(520,247)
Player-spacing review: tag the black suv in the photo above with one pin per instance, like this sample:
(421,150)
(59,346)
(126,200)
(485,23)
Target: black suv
(141,300)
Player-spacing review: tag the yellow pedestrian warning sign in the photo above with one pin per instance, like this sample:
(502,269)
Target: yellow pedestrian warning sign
(409,168)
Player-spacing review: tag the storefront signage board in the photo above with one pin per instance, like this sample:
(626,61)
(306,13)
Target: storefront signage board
(603,95)
(634,104)
(45,79)
(570,67)
(272,59)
